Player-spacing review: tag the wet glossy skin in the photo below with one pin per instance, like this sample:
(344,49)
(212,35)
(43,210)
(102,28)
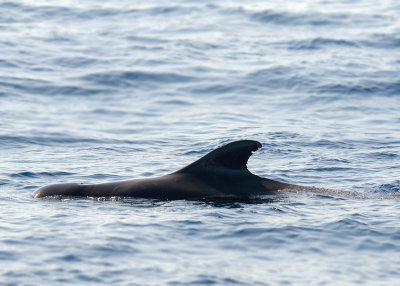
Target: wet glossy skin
(220,174)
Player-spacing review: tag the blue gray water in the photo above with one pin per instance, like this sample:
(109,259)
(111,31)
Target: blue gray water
(99,91)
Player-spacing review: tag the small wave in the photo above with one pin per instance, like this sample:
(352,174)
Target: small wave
(26,13)
(62,13)
(388,188)
(39,174)
(104,176)
(329,169)
(319,43)
(313,18)
(287,18)
(385,189)
(384,155)
(41,87)
(134,78)
(71,90)
(346,225)
(4,182)
(8,11)
(55,12)
(95,13)
(225,205)
(383,41)
(176,102)
(198,46)
(58,139)
(214,89)
(364,88)
(45,140)
(171,10)
(74,62)
(8,255)
(7,64)
(146,40)
(70,258)
(5,94)
(277,78)
(208,280)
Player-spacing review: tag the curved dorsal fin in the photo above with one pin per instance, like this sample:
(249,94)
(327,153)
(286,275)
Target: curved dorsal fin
(233,156)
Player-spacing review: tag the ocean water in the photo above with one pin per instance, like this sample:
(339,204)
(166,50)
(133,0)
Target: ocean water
(100,91)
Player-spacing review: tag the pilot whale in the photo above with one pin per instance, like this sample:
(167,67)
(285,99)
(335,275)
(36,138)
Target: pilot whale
(220,174)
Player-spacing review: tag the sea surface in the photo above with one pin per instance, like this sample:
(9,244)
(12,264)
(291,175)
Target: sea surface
(101,91)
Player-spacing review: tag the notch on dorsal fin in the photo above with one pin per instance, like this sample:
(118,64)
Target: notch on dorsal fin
(233,156)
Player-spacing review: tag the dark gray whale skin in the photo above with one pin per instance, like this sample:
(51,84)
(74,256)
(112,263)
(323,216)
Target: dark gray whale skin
(221,174)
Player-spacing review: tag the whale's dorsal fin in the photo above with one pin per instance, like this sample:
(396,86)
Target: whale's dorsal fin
(232,156)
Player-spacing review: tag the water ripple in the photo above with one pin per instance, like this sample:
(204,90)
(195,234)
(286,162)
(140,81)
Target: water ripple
(43,140)
(367,88)
(320,43)
(134,78)
(40,174)
(314,19)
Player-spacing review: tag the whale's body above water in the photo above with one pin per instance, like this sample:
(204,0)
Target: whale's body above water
(221,174)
